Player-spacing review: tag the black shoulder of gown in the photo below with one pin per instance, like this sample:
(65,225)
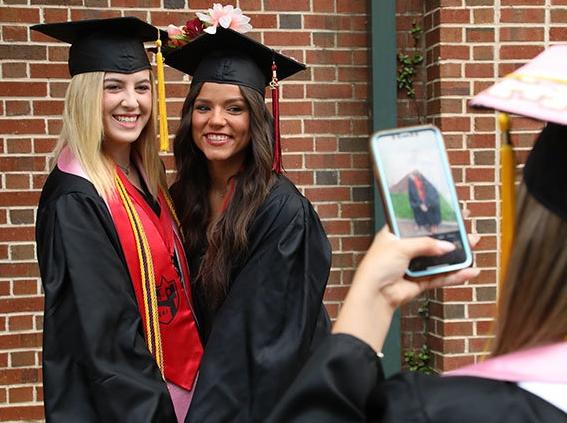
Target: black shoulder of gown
(272,316)
(343,382)
(96,366)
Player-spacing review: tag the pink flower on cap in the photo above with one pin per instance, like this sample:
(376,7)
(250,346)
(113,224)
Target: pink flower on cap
(225,16)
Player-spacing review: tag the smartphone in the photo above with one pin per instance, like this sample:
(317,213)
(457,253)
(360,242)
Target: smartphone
(418,193)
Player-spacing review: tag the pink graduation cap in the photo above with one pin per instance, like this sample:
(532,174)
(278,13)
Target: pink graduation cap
(537,90)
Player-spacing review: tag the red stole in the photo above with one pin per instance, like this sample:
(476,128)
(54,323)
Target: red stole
(178,347)
(420,190)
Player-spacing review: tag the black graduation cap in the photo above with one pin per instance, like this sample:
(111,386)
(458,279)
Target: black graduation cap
(231,58)
(228,57)
(112,45)
(105,45)
(538,90)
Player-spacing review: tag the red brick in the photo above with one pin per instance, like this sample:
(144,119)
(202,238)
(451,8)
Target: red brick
(456,329)
(337,227)
(139,4)
(483,16)
(10,305)
(328,194)
(356,177)
(520,52)
(325,144)
(287,6)
(23,126)
(327,210)
(55,14)
(22,359)
(480,35)
(14,33)
(20,323)
(329,57)
(328,161)
(17,181)
(23,394)
(261,20)
(81,14)
(300,177)
(359,243)
(17,108)
(320,126)
(454,362)
(522,16)
(481,310)
(24,89)
(483,53)
(479,70)
(20,15)
(290,144)
(522,34)
(49,70)
(22,413)
(454,16)
(288,38)
(484,327)
(457,294)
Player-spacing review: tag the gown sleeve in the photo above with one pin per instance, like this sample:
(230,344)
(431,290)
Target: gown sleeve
(262,333)
(334,386)
(343,382)
(96,366)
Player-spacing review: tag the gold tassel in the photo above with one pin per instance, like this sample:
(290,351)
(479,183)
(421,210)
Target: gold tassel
(508,195)
(163,132)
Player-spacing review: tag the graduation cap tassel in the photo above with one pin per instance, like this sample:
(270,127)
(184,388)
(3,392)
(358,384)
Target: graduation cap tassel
(508,196)
(163,132)
(274,86)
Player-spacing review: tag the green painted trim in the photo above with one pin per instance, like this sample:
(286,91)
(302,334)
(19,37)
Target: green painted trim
(384,116)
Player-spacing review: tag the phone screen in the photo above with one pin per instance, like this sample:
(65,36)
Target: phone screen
(421,197)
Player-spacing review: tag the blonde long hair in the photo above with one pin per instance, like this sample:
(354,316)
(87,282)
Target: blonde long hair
(534,302)
(83,134)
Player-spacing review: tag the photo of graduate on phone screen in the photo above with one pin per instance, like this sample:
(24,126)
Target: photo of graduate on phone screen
(424,202)
(418,186)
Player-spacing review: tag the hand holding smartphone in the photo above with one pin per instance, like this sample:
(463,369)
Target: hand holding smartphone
(418,193)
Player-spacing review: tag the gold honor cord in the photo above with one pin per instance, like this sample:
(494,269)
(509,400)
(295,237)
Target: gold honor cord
(153,335)
(171,208)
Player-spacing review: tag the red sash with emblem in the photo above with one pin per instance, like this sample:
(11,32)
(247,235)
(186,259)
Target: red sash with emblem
(160,276)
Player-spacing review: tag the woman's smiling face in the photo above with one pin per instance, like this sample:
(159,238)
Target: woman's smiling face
(126,105)
(220,123)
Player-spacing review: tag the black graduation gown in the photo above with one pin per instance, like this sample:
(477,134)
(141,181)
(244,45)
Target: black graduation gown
(343,382)
(96,366)
(266,327)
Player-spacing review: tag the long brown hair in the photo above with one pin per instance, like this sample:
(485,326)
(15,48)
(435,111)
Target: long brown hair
(534,302)
(225,239)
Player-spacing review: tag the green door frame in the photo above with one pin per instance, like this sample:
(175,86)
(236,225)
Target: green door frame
(384,116)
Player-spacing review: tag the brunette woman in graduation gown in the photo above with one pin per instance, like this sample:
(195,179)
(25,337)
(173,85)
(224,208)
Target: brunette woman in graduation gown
(259,255)
(524,381)
(120,340)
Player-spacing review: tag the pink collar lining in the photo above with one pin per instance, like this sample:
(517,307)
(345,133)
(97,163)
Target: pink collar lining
(68,163)
(539,364)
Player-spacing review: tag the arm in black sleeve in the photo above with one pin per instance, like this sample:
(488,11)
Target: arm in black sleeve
(335,385)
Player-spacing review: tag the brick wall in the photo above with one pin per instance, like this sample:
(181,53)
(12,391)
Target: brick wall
(468,45)
(324,119)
